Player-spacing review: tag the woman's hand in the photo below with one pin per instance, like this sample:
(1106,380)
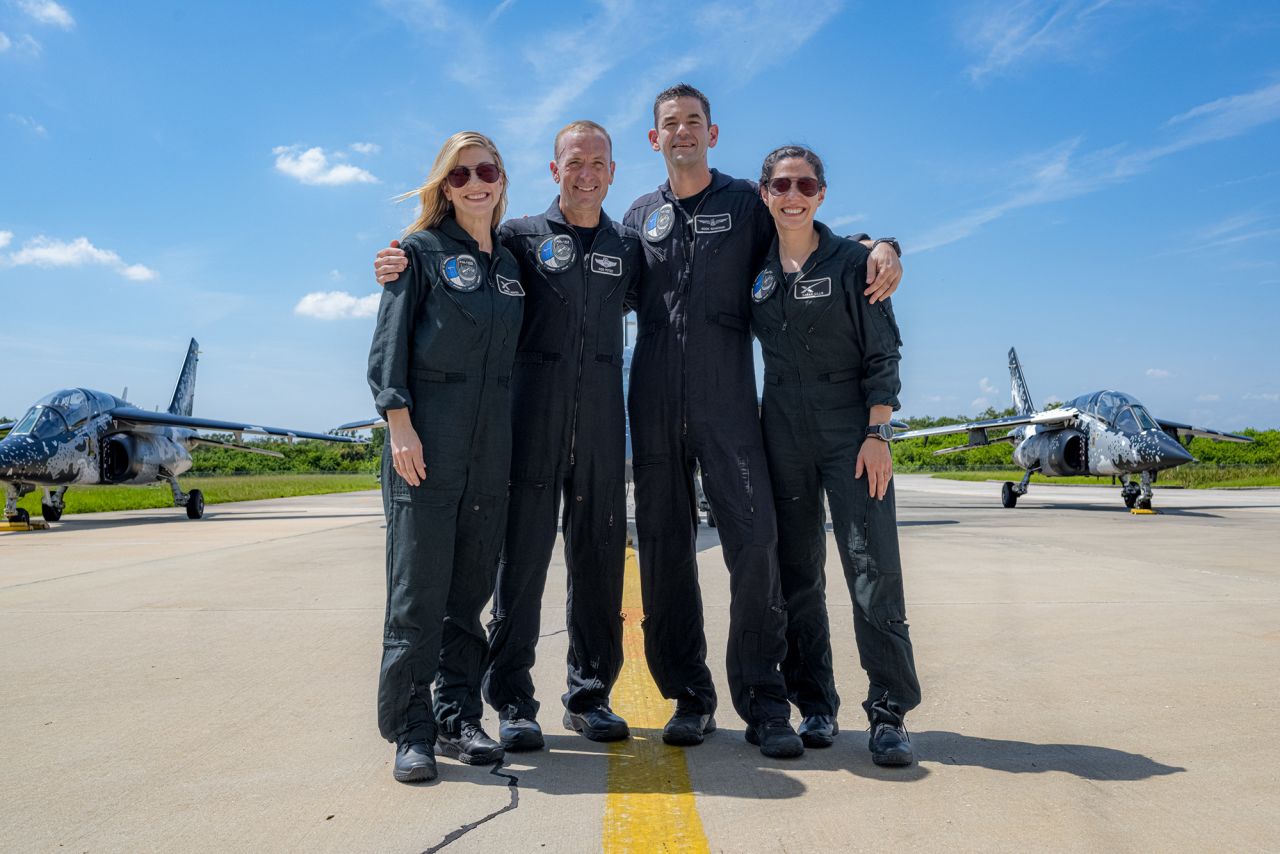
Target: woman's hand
(877,462)
(406,447)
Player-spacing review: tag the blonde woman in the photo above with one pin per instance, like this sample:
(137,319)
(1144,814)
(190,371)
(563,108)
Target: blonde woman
(440,367)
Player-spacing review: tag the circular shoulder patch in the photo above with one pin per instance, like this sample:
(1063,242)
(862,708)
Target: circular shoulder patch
(556,253)
(461,272)
(657,225)
(765,284)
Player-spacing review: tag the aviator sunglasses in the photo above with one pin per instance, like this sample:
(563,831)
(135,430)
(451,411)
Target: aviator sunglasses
(458,176)
(807,186)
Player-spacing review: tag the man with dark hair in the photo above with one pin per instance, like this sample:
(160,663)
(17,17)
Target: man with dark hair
(579,270)
(693,402)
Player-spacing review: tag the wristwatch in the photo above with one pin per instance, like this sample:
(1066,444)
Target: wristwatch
(892,241)
(883,432)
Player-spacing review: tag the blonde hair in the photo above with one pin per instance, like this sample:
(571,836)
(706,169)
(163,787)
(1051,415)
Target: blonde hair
(435,207)
(582,126)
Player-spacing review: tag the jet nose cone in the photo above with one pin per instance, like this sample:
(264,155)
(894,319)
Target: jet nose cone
(14,455)
(1170,452)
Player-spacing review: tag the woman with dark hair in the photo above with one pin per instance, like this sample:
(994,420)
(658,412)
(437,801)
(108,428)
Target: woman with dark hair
(440,367)
(831,385)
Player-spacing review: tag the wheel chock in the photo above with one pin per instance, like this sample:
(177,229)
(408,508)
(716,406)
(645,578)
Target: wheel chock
(1137,512)
(33,525)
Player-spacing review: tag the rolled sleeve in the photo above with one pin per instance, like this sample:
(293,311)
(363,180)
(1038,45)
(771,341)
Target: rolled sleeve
(392,348)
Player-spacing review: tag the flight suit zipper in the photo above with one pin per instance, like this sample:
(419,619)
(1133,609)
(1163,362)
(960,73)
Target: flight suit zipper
(487,284)
(582,340)
(691,240)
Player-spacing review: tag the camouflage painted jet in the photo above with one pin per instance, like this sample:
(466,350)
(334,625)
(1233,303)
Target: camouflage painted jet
(80,436)
(1102,433)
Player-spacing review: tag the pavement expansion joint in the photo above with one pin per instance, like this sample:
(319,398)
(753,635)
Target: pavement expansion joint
(512,786)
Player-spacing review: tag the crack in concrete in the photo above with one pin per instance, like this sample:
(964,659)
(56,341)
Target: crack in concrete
(512,787)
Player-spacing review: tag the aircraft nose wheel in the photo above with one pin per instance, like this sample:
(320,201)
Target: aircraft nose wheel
(1008,497)
(50,513)
(22,517)
(195,504)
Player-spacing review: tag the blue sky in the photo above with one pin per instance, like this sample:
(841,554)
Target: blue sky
(1095,183)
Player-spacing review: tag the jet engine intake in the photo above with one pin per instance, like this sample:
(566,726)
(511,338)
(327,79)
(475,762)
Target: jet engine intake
(130,458)
(1059,453)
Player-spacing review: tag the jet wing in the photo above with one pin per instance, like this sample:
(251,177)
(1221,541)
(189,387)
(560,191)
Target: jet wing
(131,415)
(6,426)
(1048,418)
(361,425)
(248,449)
(1177,431)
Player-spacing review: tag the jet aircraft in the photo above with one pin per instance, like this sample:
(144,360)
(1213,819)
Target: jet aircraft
(80,436)
(1101,433)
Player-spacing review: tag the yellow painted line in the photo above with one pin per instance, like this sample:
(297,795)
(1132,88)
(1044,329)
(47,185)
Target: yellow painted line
(651,807)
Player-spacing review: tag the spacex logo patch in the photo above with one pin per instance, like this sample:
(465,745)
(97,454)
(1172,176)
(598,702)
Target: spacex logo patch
(712,223)
(610,265)
(813,289)
(510,287)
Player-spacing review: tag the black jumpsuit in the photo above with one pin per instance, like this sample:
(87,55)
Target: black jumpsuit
(568,445)
(829,355)
(693,399)
(443,348)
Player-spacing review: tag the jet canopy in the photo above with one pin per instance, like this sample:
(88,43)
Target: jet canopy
(57,413)
(1120,410)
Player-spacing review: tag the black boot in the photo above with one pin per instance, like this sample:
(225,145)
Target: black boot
(415,763)
(519,734)
(687,728)
(819,730)
(471,745)
(597,724)
(889,743)
(776,738)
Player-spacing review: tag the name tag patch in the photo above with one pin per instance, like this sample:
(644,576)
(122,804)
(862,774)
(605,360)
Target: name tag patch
(813,288)
(510,287)
(610,265)
(461,272)
(712,223)
(657,225)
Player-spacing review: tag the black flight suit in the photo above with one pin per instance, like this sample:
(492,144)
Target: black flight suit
(443,348)
(829,355)
(568,444)
(693,399)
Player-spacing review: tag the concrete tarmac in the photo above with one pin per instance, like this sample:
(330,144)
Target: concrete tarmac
(1093,681)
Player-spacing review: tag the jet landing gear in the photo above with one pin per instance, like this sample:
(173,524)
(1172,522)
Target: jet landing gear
(193,500)
(1142,501)
(1010,491)
(51,505)
(12,512)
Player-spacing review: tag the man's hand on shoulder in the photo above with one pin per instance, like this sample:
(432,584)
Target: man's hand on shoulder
(391,262)
(884,272)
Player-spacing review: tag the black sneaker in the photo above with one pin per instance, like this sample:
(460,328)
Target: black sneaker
(819,730)
(415,763)
(597,724)
(889,743)
(471,745)
(520,734)
(775,738)
(687,728)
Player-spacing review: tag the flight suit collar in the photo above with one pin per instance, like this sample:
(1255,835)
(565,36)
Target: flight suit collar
(718,181)
(827,246)
(450,227)
(554,214)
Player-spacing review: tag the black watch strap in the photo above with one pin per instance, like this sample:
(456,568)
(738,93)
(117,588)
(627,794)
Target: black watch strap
(892,241)
(883,432)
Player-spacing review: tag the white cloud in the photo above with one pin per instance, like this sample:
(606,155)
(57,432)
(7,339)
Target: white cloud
(5,42)
(1010,33)
(335,276)
(365,147)
(41,251)
(1064,172)
(1208,398)
(312,166)
(979,403)
(841,221)
(985,386)
(6,237)
(25,44)
(1269,397)
(336,305)
(1158,373)
(29,123)
(48,12)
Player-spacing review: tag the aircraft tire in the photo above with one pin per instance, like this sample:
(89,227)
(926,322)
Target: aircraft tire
(1143,504)
(22,516)
(1130,498)
(195,504)
(711,519)
(49,512)
(1008,497)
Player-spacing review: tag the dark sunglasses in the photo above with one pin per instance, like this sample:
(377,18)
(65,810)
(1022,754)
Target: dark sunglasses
(459,175)
(807,186)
